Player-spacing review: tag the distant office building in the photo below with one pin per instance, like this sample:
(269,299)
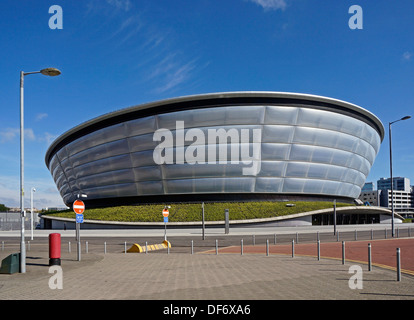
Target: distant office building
(368,186)
(403,201)
(371,197)
(403,195)
(399,183)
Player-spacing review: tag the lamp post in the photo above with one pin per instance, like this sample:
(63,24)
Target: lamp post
(392,182)
(47,72)
(31,210)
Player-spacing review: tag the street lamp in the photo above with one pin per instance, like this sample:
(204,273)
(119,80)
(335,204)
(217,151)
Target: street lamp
(31,209)
(47,72)
(392,182)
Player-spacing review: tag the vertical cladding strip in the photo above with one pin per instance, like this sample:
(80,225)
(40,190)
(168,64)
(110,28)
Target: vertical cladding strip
(163,175)
(66,178)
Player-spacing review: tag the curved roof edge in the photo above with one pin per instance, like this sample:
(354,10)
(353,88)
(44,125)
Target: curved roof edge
(210,96)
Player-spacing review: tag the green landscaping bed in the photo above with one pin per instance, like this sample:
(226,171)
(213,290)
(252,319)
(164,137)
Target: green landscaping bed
(188,212)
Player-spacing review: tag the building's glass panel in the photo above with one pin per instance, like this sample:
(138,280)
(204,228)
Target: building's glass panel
(272,169)
(275,151)
(140,126)
(107,178)
(271,185)
(147,173)
(281,115)
(277,133)
(99,152)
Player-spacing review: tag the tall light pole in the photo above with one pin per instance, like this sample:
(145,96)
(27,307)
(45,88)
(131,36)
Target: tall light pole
(47,72)
(392,182)
(31,210)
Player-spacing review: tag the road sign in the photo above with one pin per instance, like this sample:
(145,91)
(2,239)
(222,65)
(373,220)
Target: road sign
(79,218)
(165,219)
(165,213)
(78,207)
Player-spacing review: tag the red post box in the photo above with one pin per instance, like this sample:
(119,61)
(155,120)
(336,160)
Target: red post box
(54,249)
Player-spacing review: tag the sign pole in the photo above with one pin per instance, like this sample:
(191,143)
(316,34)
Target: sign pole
(165,214)
(78,240)
(202,209)
(79,208)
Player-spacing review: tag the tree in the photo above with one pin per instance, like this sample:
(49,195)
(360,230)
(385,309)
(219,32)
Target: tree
(3,208)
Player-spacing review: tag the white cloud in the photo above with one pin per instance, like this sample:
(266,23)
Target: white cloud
(9,134)
(41,116)
(120,4)
(171,72)
(271,4)
(407,56)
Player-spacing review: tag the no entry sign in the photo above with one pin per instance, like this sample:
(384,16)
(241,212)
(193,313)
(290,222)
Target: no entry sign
(78,207)
(165,213)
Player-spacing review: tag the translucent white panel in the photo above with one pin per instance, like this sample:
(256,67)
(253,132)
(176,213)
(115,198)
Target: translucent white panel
(210,135)
(147,173)
(142,158)
(149,188)
(103,165)
(70,174)
(176,171)
(345,188)
(369,134)
(213,117)
(313,186)
(301,152)
(329,120)
(365,150)
(351,176)
(56,172)
(275,151)
(269,185)
(62,154)
(341,158)
(142,142)
(297,169)
(281,115)
(322,155)
(120,190)
(314,136)
(335,173)
(272,169)
(96,138)
(99,152)
(107,178)
(179,186)
(331,188)
(140,126)
(317,171)
(60,180)
(274,134)
(355,192)
(54,163)
(293,185)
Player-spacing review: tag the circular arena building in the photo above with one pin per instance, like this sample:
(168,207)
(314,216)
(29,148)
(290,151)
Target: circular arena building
(234,146)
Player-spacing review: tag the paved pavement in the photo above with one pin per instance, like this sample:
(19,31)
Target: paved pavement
(203,275)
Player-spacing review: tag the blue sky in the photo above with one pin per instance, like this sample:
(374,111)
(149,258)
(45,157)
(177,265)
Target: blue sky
(119,53)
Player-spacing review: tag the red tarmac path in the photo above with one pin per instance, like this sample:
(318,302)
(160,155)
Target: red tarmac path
(383,252)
